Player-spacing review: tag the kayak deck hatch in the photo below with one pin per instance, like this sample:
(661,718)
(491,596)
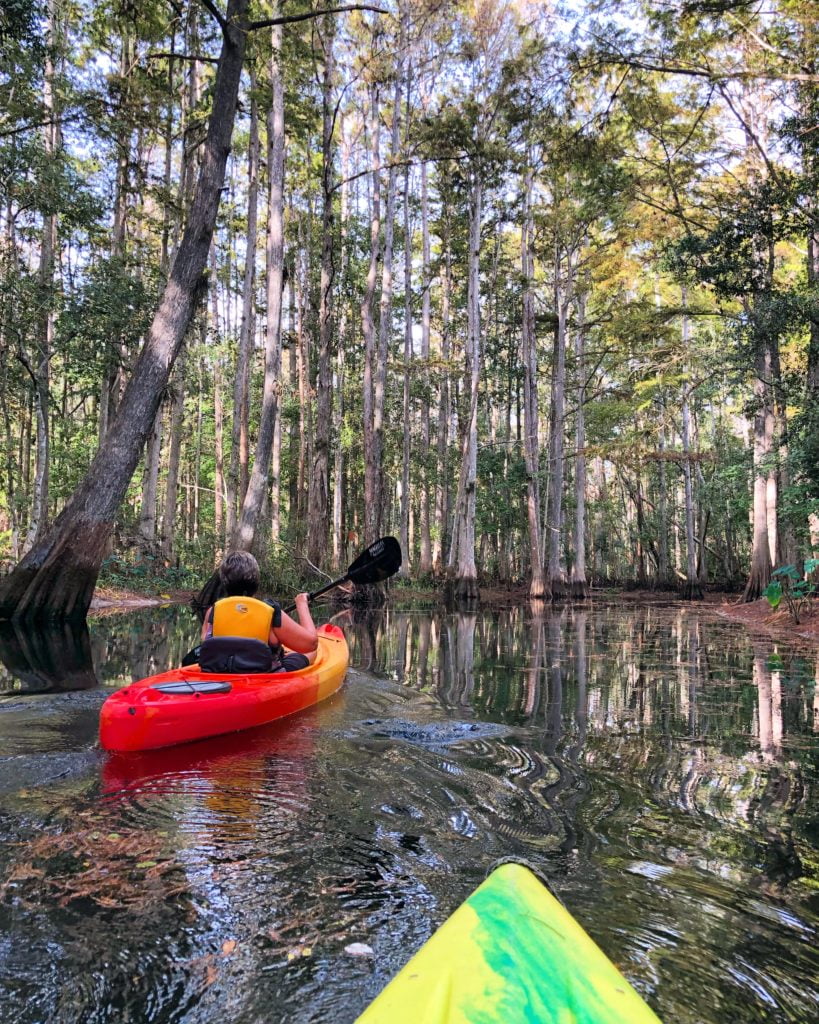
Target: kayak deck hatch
(189,686)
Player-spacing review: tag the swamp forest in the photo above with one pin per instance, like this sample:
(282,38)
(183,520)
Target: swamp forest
(531,286)
(512,307)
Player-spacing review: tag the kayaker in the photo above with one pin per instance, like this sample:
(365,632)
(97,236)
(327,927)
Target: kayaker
(260,620)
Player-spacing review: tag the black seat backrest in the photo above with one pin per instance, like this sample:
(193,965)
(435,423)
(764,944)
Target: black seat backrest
(236,654)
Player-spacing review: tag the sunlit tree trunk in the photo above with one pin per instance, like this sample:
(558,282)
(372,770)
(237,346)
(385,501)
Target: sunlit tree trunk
(372,467)
(407,431)
(692,591)
(425,560)
(442,445)
(531,447)
(555,573)
(385,308)
(257,488)
(761,566)
(580,587)
(462,571)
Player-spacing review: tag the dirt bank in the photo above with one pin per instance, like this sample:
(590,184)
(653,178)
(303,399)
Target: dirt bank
(759,617)
(111,599)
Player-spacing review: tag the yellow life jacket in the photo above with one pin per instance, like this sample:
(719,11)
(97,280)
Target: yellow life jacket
(242,616)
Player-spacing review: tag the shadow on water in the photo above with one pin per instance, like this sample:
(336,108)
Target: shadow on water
(657,765)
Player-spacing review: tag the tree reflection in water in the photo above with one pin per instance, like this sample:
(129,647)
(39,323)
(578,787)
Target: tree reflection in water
(654,762)
(47,659)
(660,692)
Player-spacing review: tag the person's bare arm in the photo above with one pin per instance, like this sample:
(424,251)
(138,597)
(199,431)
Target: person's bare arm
(206,623)
(299,636)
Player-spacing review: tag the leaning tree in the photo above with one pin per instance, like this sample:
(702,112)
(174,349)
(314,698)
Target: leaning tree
(56,579)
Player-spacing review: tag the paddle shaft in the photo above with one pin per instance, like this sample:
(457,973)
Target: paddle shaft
(322,590)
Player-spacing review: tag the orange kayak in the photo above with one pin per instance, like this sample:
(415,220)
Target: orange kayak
(187,704)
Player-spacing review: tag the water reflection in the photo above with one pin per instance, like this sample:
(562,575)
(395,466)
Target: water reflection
(46,659)
(656,764)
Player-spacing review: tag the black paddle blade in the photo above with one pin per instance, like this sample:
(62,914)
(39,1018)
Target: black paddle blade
(380,561)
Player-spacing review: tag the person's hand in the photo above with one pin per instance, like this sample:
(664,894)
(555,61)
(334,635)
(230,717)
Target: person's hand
(302,600)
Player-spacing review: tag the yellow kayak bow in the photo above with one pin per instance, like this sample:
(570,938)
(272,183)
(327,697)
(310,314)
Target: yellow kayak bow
(510,954)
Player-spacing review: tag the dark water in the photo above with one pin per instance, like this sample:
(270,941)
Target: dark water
(658,765)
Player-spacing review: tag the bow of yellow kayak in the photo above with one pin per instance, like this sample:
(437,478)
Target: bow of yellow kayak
(510,954)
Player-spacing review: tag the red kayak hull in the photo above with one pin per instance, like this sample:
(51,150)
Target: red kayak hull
(141,717)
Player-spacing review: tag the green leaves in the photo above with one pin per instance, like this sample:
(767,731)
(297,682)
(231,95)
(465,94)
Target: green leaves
(792,585)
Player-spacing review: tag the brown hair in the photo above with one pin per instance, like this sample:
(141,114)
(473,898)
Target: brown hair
(239,574)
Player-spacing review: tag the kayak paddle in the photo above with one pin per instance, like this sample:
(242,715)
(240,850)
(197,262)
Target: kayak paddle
(381,560)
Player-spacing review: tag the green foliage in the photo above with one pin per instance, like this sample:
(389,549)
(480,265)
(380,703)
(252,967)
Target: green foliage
(794,586)
(146,575)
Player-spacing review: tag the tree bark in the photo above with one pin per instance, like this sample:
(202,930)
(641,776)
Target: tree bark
(692,591)
(257,489)
(56,578)
(338,405)
(407,432)
(318,506)
(580,586)
(760,573)
(238,467)
(146,531)
(463,575)
(41,373)
(385,309)
(555,573)
(531,447)
(371,462)
(444,401)
(425,561)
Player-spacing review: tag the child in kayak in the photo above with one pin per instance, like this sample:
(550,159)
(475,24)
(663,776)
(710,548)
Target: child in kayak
(260,620)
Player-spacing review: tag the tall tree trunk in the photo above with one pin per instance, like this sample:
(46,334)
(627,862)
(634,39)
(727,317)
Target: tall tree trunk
(580,587)
(407,432)
(305,433)
(444,401)
(56,578)
(663,568)
(257,489)
(555,574)
(219,462)
(463,575)
(338,406)
(692,591)
(238,469)
(40,372)
(146,530)
(294,447)
(425,561)
(385,308)
(319,500)
(372,466)
(531,446)
(189,163)
(174,457)
(761,563)
(112,378)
